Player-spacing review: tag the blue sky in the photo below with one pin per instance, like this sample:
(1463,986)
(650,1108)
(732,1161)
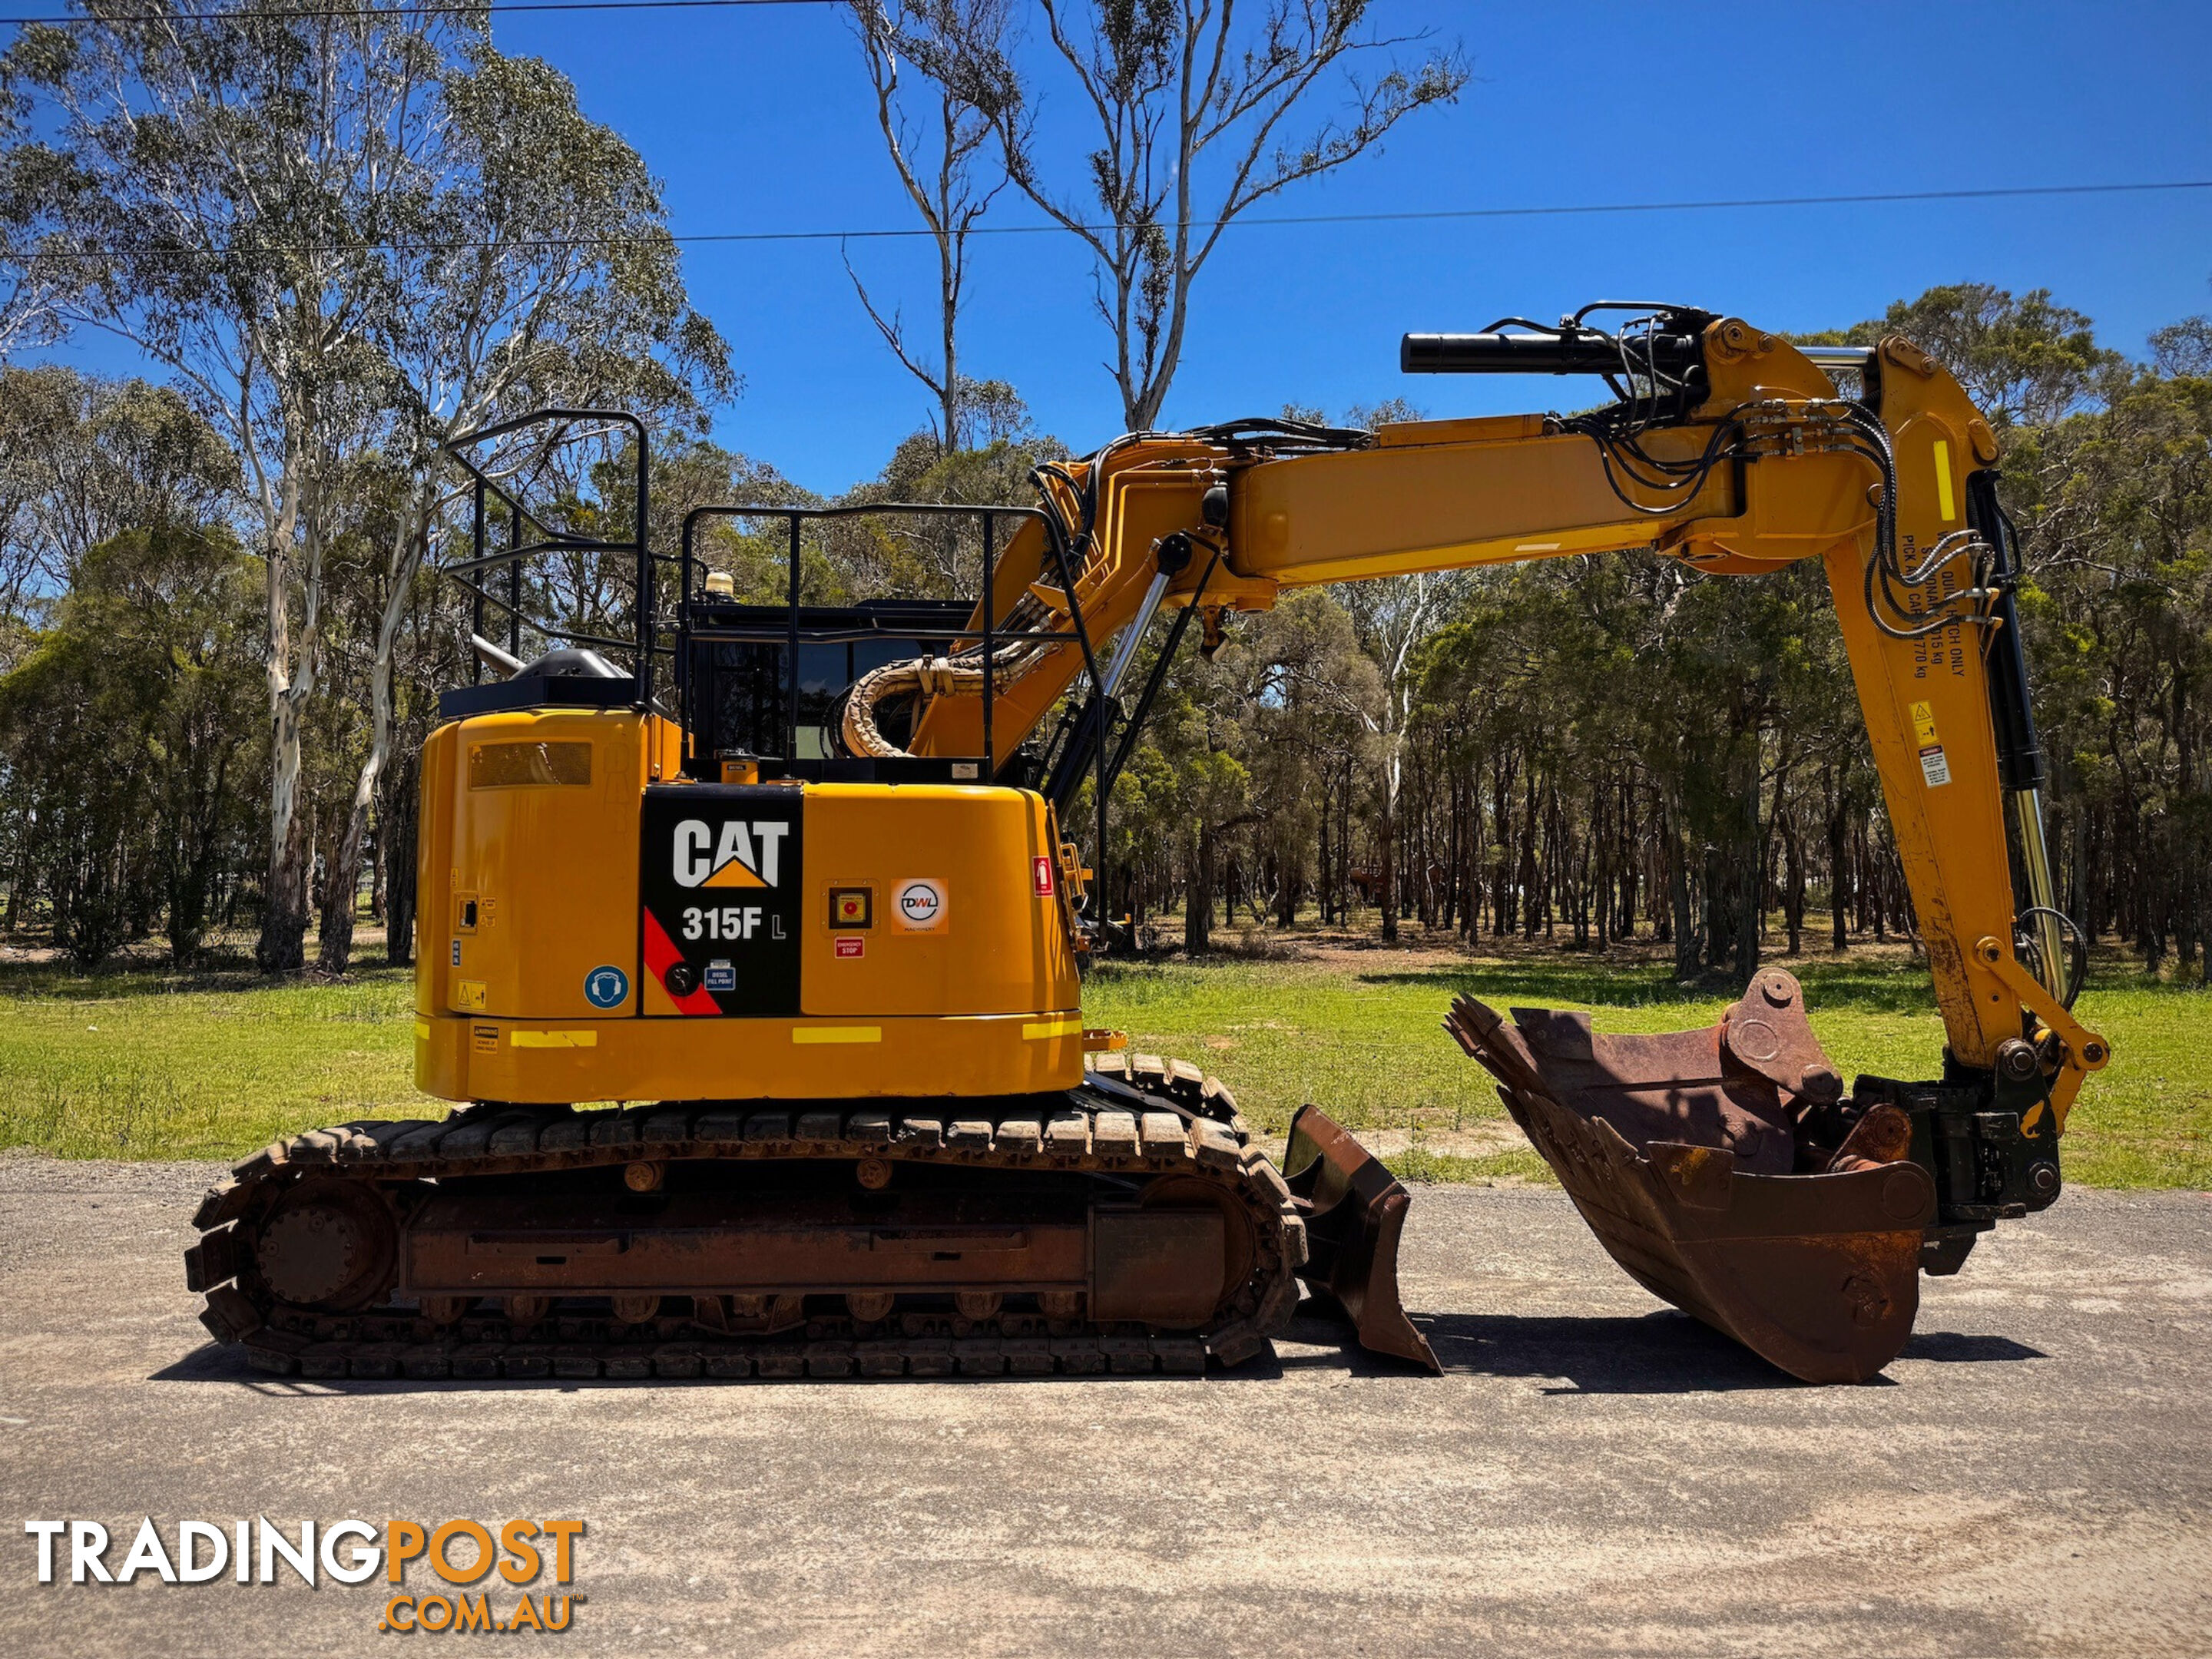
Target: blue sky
(759,118)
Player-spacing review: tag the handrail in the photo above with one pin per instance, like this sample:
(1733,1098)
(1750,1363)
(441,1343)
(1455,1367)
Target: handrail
(648,641)
(796,517)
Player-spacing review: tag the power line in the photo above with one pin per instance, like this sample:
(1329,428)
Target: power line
(431,8)
(1585,208)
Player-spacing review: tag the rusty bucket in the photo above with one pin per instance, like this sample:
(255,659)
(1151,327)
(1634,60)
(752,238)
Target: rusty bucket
(1683,1152)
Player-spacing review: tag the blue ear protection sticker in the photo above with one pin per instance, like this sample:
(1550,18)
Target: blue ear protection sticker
(606,987)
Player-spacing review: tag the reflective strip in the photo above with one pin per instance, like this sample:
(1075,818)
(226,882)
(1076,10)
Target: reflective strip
(1943,480)
(553,1039)
(836,1033)
(1036,1031)
(422,1030)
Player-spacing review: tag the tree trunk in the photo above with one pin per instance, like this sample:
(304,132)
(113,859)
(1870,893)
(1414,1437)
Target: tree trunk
(1689,939)
(1289,879)
(1751,876)
(1392,776)
(1527,896)
(1793,888)
(283,945)
(1328,908)
(395,836)
(1197,896)
(1839,938)
(337,953)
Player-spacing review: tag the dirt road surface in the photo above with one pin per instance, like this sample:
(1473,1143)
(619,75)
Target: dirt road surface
(1595,1474)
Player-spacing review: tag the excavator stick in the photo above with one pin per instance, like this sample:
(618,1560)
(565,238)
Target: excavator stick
(1354,1210)
(1694,1158)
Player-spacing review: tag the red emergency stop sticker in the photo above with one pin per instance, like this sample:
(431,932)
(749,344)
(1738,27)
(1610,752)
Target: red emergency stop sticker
(851,947)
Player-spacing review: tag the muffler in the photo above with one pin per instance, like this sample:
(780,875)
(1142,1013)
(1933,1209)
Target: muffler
(1686,1154)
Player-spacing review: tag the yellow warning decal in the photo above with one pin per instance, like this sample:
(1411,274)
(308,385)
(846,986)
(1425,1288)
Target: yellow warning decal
(1943,480)
(1036,1031)
(553,1039)
(1924,724)
(836,1033)
(469,994)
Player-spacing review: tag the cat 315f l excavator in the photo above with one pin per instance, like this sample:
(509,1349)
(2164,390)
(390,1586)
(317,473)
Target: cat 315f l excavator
(818,907)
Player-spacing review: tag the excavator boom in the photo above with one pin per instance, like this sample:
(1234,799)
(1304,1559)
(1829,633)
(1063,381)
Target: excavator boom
(1726,1169)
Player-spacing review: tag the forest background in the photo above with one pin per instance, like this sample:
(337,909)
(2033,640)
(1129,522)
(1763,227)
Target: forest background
(336,241)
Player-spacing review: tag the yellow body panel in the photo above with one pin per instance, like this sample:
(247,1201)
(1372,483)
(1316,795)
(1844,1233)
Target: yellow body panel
(551,868)
(999,948)
(532,902)
(633,1059)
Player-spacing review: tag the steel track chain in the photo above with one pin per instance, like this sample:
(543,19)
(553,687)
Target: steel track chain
(1133,1116)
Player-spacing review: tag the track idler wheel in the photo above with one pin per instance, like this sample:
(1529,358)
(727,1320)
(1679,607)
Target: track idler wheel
(1684,1154)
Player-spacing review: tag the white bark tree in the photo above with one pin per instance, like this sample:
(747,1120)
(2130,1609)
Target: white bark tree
(1191,104)
(219,183)
(347,234)
(1394,616)
(937,139)
(537,269)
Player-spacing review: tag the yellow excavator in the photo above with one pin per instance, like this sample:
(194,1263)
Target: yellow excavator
(795,888)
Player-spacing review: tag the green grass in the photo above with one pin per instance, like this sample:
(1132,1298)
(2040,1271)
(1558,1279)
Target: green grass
(1363,1042)
(139,1063)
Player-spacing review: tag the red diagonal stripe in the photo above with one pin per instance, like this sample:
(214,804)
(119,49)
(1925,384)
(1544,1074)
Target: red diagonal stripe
(662,954)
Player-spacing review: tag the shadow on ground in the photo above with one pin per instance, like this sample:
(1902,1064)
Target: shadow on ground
(1654,1353)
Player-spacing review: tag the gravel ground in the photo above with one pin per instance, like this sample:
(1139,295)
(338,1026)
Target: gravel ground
(1595,1474)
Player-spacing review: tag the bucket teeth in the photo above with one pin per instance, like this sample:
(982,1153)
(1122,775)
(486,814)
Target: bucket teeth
(1682,1153)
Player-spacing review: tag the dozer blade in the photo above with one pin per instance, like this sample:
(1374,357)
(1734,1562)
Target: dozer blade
(1355,1209)
(1684,1153)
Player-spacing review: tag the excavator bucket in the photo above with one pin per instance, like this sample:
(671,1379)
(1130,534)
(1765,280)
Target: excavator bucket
(1354,1210)
(1687,1155)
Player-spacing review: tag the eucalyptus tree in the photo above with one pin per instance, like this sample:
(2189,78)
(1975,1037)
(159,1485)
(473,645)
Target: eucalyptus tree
(84,459)
(2024,360)
(30,288)
(939,141)
(534,267)
(1394,616)
(220,181)
(128,730)
(1188,108)
(341,233)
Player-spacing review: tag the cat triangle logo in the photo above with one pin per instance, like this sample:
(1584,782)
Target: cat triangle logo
(742,852)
